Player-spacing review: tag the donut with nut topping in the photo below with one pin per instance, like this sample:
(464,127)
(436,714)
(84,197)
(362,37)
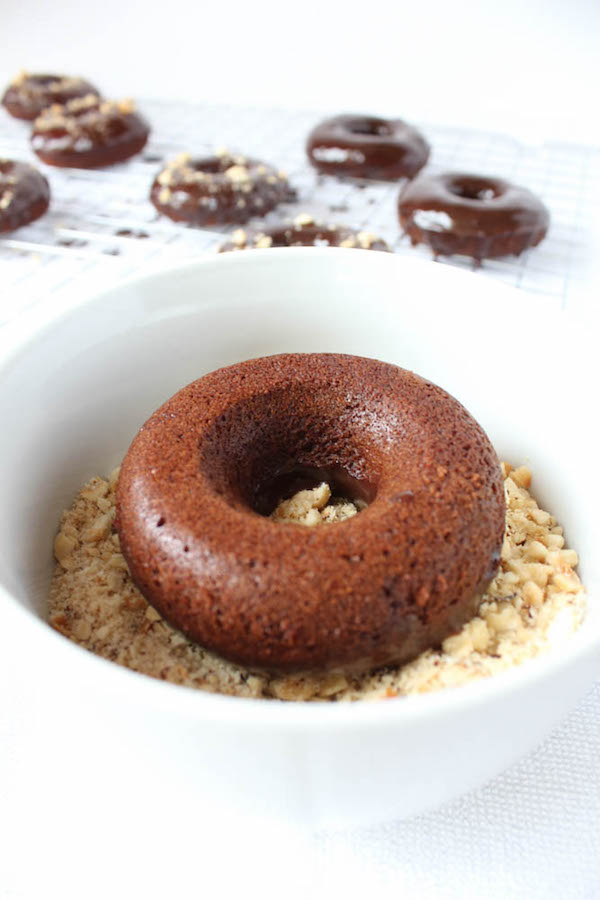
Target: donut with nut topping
(27,95)
(88,133)
(222,189)
(24,194)
(304,231)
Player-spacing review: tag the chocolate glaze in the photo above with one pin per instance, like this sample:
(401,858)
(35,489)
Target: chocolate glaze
(88,133)
(378,588)
(471,215)
(361,146)
(24,194)
(218,190)
(304,233)
(28,95)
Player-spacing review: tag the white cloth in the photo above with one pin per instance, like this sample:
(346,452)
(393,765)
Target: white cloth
(531,834)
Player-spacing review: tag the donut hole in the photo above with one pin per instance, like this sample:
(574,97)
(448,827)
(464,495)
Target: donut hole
(297,476)
(42,81)
(211,165)
(266,448)
(479,189)
(369,126)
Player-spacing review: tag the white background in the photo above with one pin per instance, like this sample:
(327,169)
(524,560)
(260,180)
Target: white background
(528,68)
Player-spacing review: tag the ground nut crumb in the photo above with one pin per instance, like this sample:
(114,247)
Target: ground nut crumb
(366,239)
(261,241)
(533,605)
(237,173)
(63,547)
(303,219)
(239,237)
(314,507)
(294,687)
(532,594)
(479,633)
(98,529)
(96,488)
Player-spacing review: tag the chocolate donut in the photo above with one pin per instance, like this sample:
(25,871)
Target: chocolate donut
(304,232)
(28,95)
(360,146)
(472,215)
(203,474)
(88,133)
(218,190)
(24,194)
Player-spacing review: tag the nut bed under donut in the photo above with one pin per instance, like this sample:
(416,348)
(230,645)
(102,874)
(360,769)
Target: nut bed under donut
(208,467)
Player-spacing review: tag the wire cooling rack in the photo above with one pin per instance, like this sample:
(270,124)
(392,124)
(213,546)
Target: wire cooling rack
(101,223)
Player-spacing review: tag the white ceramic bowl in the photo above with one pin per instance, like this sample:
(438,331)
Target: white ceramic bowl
(75,389)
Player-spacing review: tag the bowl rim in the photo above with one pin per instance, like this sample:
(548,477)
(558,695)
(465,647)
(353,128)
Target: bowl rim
(15,340)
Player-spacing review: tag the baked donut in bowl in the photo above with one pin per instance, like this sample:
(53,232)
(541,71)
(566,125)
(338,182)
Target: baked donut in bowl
(472,215)
(362,146)
(112,359)
(205,471)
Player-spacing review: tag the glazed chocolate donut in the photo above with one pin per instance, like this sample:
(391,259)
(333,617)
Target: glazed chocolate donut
(28,95)
(360,146)
(203,474)
(24,194)
(218,190)
(471,215)
(88,133)
(304,232)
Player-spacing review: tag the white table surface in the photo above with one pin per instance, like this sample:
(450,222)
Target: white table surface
(534,832)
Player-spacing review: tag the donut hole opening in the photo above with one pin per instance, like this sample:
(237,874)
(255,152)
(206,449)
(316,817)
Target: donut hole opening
(479,189)
(287,483)
(42,81)
(370,127)
(211,165)
(269,447)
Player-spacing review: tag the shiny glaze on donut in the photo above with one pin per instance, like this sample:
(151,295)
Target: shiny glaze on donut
(471,215)
(359,146)
(218,190)
(28,95)
(202,475)
(88,133)
(24,194)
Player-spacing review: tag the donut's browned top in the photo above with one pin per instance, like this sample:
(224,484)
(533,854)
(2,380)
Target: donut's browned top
(375,589)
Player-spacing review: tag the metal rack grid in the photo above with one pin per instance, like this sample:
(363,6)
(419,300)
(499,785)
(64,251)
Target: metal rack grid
(102,224)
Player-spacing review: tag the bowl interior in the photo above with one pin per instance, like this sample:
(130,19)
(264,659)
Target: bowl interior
(74,393)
